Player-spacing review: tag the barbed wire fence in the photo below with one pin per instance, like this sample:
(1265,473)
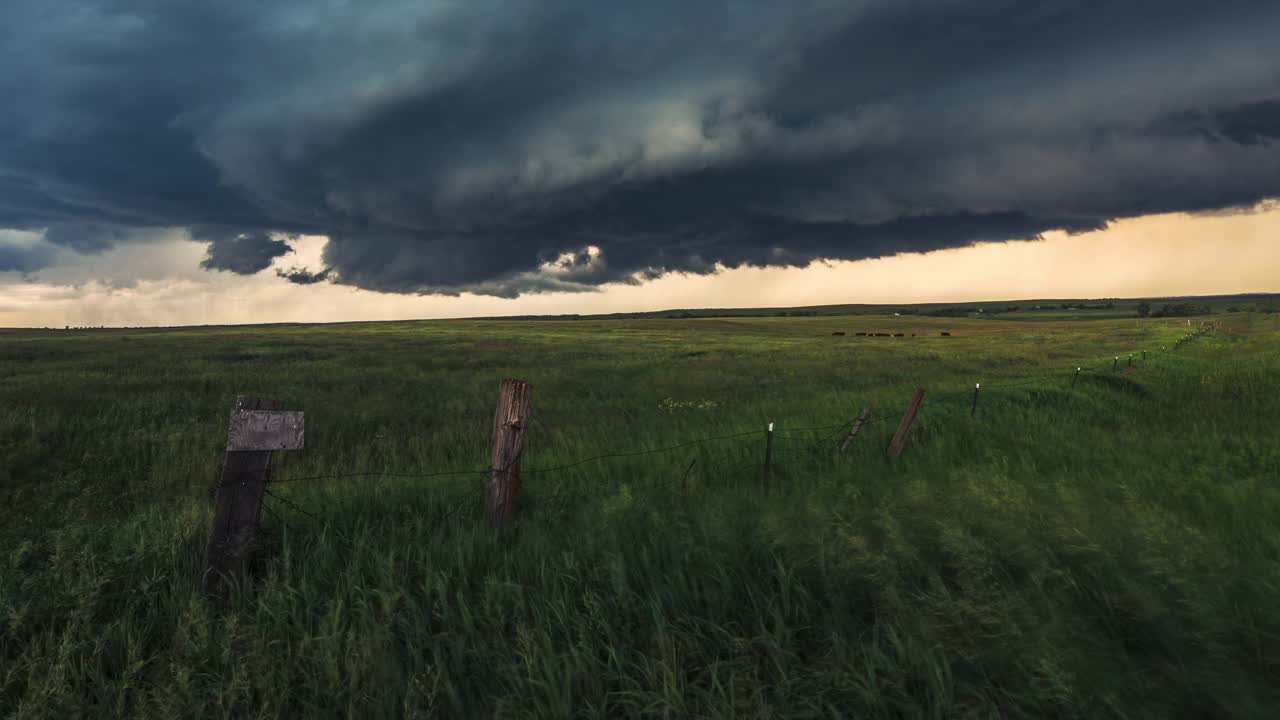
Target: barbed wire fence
(736,455)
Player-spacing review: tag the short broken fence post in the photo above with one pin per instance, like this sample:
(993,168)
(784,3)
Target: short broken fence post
(904,428)
(857,425)
(257,428)
(768,453)
(502,491)
(1074,378)
(974,410)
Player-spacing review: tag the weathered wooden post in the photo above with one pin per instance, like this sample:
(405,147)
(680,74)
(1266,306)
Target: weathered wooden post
(257,427)
(509,421)
(1115,364)
(974,410)
(857,425)
(768,453)
(1074,378)
(904,428)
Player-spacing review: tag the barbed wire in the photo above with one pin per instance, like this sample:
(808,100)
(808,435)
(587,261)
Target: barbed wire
(379,473)
(810,447)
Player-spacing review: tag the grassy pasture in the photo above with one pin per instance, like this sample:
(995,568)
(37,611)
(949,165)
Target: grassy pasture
(1107,550)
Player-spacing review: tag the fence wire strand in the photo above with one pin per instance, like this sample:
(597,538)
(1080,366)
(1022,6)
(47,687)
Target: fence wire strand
(804,443)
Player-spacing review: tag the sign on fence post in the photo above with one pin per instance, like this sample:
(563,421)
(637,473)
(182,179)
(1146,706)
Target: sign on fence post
(857,425)
(509,420)
(257,427)
(265,430)
(904,428)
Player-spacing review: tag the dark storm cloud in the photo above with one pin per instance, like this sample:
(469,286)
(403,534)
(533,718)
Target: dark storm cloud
(486,146)
(84,238)
(302,276)
(24,258)
(241,253)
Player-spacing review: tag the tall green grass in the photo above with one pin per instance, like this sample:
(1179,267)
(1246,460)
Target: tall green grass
(1107,550)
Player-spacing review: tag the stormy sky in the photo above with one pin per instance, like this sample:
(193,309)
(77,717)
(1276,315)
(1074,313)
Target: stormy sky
(505,148)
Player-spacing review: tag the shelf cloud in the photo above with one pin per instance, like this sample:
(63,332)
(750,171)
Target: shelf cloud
(501,147)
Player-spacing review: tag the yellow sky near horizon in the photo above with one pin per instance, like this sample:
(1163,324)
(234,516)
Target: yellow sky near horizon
(1159,255)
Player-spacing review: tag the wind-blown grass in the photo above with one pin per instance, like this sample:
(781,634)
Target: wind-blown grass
(1103,550)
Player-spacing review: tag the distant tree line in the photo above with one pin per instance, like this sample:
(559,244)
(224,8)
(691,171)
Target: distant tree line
(1185,309)
(962,311)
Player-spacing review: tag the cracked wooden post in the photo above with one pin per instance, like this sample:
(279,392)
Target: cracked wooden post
(509,421)
(904,427)
(233,536)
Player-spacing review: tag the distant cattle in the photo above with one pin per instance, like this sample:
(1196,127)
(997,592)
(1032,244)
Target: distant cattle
(946,334)
(860,334)
(837,333)
(899,334)
(882,334)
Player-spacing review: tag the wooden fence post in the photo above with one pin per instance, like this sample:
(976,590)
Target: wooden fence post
(974,410)
(237,509)
(904,428)
(509,421)
(857,425)
(1074,378)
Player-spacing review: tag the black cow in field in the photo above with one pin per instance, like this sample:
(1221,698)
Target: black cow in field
(837,333)
(946,334)
(882,334)
(899,334)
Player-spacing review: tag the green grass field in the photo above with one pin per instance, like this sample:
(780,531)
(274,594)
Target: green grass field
(1110,549)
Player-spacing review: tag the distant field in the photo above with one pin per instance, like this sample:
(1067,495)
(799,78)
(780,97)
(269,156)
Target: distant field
(1106,547)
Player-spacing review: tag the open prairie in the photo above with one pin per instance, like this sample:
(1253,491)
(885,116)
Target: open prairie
(1096,546)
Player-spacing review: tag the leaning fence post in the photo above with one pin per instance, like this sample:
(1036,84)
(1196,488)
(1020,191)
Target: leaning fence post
(904,428)
(509,420)
(768,453)
(857,425)
(257,427)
